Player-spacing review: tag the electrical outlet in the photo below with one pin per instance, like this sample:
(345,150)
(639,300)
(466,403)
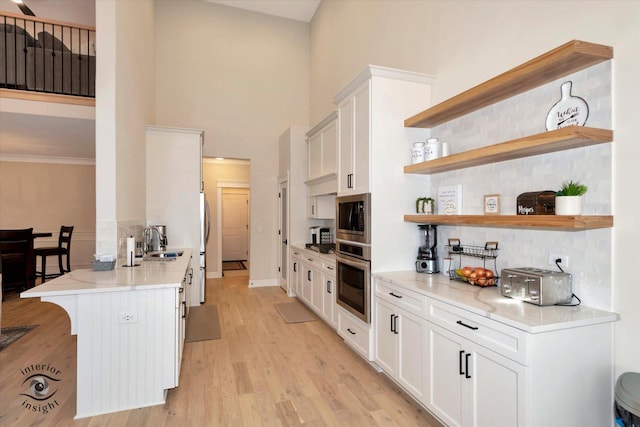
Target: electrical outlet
(564,263)
(128,317)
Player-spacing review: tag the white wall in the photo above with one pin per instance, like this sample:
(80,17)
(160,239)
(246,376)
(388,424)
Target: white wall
(124,105)
(243,77)
(463,43)
(75,11)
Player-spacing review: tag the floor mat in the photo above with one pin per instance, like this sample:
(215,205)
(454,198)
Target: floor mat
(233,265)
(11,335)
(294,312)
(202,324)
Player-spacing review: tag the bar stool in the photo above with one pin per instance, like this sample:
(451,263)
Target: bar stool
(63,249)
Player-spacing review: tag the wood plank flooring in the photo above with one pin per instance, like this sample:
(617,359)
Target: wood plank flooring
(262,372)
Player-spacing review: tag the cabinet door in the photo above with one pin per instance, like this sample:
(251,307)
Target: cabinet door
(307,282)
(321,207)
(498,390)
(445,375)
(329,309)
(412,352)
(295,275)
(386,342)
(330,148)
(314,150)
(317,290)
(345,145)
(361,139)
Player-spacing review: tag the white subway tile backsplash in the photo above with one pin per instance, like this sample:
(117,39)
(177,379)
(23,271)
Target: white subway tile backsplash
(524,115)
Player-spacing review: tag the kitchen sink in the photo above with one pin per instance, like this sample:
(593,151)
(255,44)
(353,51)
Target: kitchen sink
(163,256)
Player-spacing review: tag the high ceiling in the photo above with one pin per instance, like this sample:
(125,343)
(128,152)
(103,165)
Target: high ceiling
(26,132)
(300,10)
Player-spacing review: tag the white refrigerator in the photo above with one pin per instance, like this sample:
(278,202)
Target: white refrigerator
(175,198)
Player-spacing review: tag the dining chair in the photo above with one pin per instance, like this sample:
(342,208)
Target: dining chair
(62,250)
(16,257)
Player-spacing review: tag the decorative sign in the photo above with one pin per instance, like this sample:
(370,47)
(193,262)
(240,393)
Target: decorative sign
(450,200)
(492,204)
(569,111)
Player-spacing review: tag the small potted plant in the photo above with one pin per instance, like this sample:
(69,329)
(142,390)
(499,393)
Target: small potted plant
(425,205)
(569,198)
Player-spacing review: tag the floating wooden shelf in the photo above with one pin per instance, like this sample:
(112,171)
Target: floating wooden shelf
(566,59)
(546,142)
(553,222)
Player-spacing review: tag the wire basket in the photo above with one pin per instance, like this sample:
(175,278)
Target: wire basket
(487,252)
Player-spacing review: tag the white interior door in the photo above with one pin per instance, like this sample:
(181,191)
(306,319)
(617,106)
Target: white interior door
(235,226)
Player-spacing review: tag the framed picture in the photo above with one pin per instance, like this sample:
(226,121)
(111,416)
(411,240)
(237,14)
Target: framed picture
(492,204)
(450,200)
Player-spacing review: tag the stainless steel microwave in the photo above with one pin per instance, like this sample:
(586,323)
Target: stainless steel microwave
(353,218)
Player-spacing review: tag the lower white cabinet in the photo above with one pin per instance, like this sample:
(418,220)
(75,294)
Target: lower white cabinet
(469,385)
(329,306)
(357,334)
(400,346)
(313,280)
(295,276)
(518,365)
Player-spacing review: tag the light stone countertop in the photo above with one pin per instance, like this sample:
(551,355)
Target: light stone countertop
(148,275)
(488,302)
(330,258)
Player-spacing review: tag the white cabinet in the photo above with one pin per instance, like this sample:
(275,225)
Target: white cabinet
(400,338)
(323,148)
(470,385)
(173,185)
(322,207)
(181,321)
(484,360)
(357,334)
(313,279)
(329,308)
(354,141)
(295,274)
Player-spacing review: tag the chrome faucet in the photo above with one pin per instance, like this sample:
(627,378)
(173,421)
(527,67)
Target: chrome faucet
(147,237)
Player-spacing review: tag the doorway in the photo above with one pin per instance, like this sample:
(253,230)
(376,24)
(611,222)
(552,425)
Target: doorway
(233,230)
(235,224)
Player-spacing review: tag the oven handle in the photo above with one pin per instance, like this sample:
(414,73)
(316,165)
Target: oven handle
(353,262)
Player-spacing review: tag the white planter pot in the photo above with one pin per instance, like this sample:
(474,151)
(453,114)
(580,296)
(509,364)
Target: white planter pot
(568,205)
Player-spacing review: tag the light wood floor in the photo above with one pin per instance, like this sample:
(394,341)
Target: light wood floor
(261,372)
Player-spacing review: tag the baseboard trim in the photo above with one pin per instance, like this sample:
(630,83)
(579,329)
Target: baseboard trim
(263,283)
(213,275)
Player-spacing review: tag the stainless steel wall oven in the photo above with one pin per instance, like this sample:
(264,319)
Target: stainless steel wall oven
(353,276)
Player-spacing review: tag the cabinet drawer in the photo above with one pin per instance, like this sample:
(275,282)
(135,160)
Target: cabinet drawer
(312,260)
(355,333)
(329,268)
(505,340)
(411,301)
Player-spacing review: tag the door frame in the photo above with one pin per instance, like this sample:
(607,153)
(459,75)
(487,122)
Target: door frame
(283,273)
(221,184)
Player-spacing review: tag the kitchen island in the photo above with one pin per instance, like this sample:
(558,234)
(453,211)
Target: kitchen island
(130,324)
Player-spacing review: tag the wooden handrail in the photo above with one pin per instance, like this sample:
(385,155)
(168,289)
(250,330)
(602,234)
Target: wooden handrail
(46,21)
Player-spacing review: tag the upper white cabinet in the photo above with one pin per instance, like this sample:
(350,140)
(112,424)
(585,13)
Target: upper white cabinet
(354,113)
(372,139)
(322,207)
(322,151)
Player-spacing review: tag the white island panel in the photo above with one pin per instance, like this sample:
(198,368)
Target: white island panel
(128,324)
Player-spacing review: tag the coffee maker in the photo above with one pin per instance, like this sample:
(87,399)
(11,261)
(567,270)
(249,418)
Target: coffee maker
(427,261)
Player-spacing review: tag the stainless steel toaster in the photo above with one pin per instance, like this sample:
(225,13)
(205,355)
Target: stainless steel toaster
(537,286)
